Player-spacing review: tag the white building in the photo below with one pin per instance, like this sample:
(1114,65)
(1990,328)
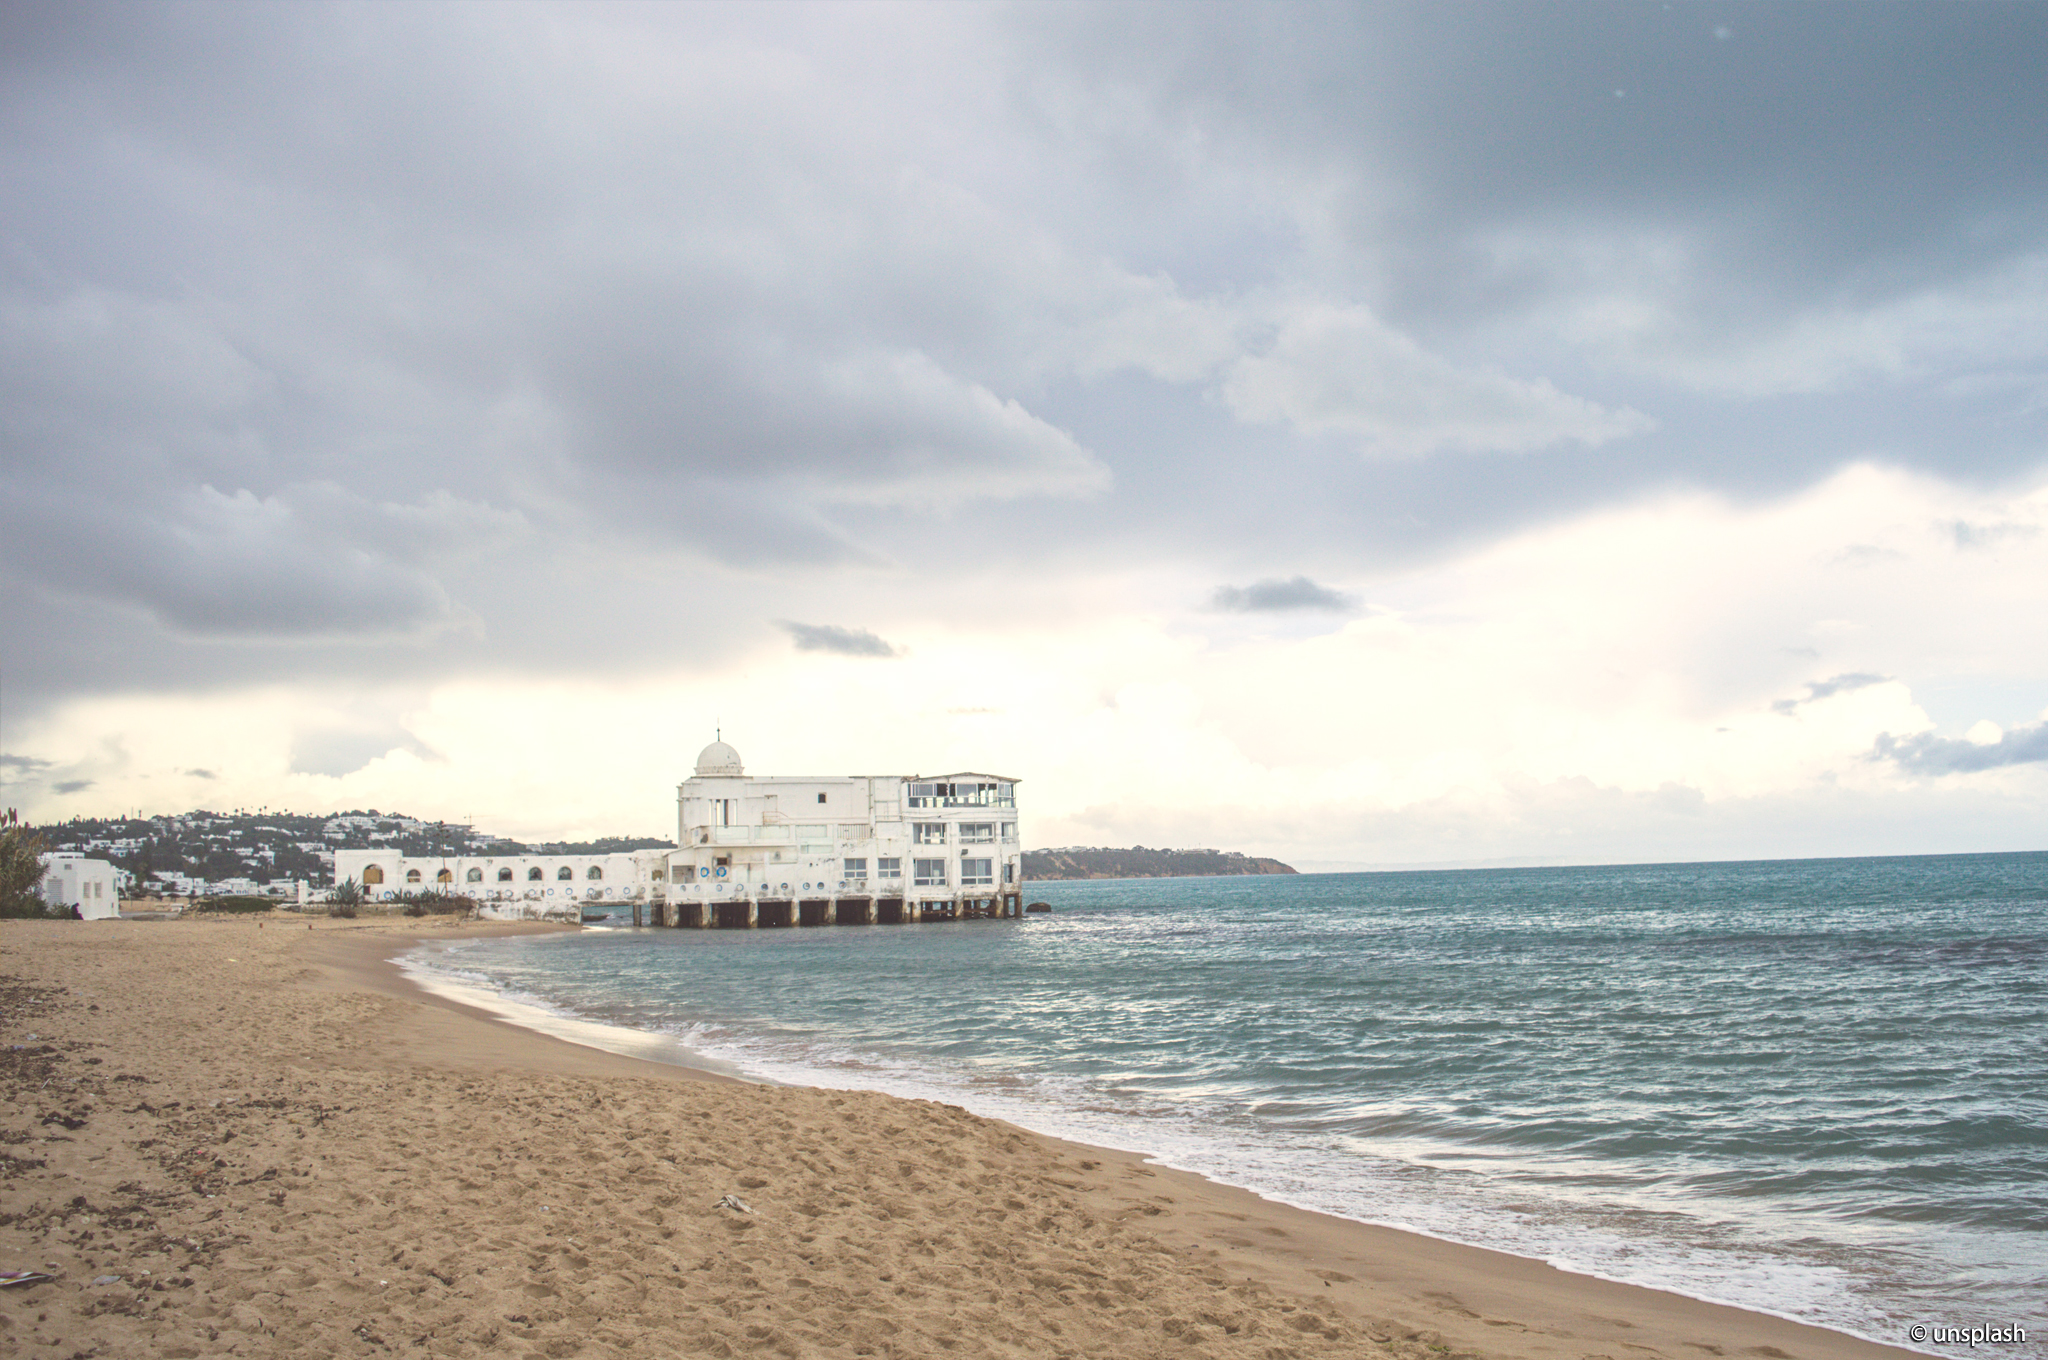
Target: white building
(511,885)
(789,850)
(75,883)
(830,849)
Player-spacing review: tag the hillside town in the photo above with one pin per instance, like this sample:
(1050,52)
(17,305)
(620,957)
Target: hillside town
(265,853)
(269,854)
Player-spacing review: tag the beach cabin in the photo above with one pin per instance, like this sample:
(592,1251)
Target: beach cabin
(812,850)
(74,883)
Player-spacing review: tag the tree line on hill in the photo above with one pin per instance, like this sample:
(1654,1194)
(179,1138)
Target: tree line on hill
(1080,861)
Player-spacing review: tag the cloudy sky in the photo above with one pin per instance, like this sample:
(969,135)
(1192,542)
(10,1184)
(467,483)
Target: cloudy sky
(1364,434)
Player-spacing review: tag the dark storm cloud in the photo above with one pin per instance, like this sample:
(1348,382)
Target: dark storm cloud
(1817,690)
(1806,145)
(357,339)
(825,637)
(1266,597)
(1931,755)
(394,258)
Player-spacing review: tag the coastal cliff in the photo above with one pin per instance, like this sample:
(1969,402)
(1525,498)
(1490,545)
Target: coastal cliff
(1080,861)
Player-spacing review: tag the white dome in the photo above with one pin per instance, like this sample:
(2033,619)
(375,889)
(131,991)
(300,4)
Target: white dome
(719,761)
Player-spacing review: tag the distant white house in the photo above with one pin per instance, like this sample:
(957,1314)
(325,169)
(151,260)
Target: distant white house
(75,883)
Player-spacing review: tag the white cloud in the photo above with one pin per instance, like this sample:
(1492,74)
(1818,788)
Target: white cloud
(1338,369)
(920,436)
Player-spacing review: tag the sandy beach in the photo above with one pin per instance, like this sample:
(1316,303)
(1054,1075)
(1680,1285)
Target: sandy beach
(256,1137)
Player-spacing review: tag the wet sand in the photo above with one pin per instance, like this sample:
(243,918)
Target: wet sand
(250,1137)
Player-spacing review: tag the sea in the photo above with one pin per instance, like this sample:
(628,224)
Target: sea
(1814,1088)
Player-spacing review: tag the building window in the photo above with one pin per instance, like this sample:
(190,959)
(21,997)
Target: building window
(931,873)
(963,794)
(977,833)
(533,875)
(857,868)
(1009,831)
(657,874)
(412,875)
(853,831)
(445,876)
(476,875)
(504,875)
(928,833)
(976,873)
(372,873)
(565,872)
(821,797)
(889,866)
(595,872)
(1009,872)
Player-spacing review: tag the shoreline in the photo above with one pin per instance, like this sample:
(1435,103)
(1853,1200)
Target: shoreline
(1213,1209)
(335,1160)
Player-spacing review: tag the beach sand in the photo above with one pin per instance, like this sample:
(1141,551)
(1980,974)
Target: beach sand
(249,1137)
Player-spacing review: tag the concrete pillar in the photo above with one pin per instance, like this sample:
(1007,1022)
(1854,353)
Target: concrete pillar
(867,913)
(753,914)
(636,913)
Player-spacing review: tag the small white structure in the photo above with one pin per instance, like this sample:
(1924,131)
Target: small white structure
(75,883)
(800,850)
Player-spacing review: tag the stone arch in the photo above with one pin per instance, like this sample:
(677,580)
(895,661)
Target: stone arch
(565,872)
(504,875)
(476,876)
(412,875)
(533,875)
(594,872)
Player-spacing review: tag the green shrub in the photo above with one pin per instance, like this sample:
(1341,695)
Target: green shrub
(235,904)
(20,872)
(433,902)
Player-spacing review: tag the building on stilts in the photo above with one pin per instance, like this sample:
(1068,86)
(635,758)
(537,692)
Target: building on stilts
(787,850)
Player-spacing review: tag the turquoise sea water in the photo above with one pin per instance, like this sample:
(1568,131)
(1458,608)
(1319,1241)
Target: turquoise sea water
(1817,1088)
